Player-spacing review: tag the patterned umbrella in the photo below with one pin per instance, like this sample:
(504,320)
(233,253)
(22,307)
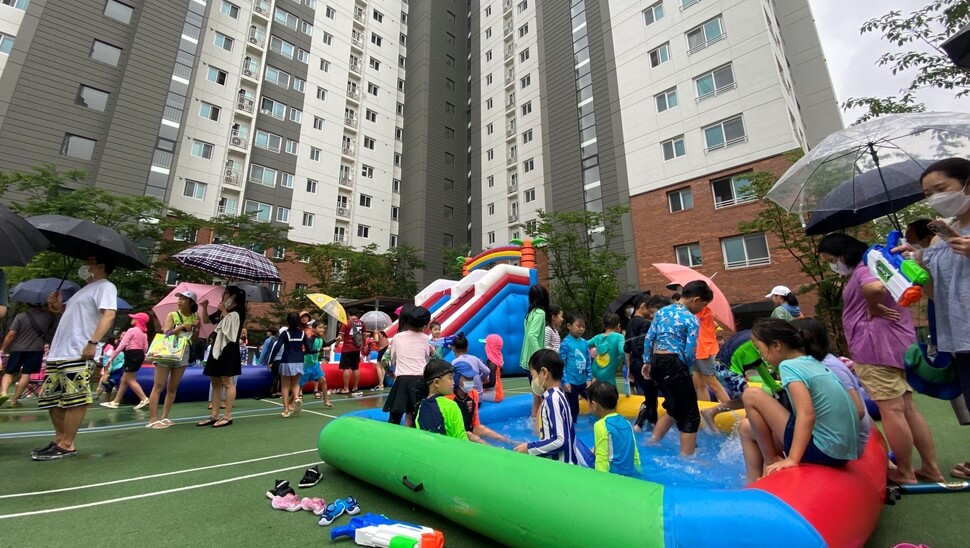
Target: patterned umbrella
(329,305)
(229,261)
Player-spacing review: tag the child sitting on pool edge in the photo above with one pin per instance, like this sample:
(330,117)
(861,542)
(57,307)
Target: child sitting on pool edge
(435,413)
(616,447)
(467,398)
(558,436)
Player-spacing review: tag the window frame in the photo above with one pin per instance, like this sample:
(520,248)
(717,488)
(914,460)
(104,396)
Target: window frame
(748,261)
(689,248)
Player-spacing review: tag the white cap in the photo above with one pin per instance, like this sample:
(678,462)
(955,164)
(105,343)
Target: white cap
(779,290)
(190,295)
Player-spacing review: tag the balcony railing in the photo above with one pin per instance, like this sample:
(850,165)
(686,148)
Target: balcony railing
(347,149)
(355,66)
(350,121)
(261,7)
(339,238)
(347,182)
(239,138)
(703,45)
(510,158)
(509,52)
(726,144)
(509,28)
(357,41)
(358,16)
(513,217)
(507,5)
(512,188)
(716,92)
(353,94)
(687,3)
(510,131)
(245,104)
(232,177)
(250,69)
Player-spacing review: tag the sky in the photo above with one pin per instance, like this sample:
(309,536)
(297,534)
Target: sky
(852,57)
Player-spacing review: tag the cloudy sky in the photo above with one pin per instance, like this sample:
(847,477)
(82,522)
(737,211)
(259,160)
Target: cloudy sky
(851,57)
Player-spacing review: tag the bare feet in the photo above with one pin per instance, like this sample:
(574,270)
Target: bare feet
(708,416)
(930,474)
(637,429)
(900,478)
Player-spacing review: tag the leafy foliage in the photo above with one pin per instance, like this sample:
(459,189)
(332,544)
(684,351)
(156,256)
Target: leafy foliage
(356,274)
(450,256)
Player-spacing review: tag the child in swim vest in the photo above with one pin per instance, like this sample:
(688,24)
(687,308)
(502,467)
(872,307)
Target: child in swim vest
(616,447)
(436,413)
(467,398)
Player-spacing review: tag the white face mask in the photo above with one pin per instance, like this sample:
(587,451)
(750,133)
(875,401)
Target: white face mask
(629,311)
(537,387)
(227,303)
(950,204)
(84,272)
(840,268)
(467,386)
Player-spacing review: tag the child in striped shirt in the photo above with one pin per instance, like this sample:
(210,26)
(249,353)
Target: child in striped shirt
(558,436)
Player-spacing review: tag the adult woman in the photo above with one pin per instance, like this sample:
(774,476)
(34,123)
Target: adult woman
(878,332)
(948,192)
(184,324)
(534,337)
(786,303)
(224,362)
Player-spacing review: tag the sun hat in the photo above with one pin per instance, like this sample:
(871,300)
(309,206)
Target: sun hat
(493,349)
(190,295)
(779,290)
(141,320)
(305,313)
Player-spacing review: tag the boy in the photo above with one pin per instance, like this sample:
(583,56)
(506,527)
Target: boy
(707,348)
(616,448)
(437,414)
(577,370)
(636,331)
(670,349)
(466,396)
(558,438)
(609,350)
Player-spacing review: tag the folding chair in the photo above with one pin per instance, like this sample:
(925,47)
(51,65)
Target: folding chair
(35,382)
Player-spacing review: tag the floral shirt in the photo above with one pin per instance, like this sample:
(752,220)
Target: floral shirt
(674,329)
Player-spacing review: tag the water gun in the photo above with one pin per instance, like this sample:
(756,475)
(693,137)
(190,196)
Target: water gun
(379,530)
(903,277)
(444,342)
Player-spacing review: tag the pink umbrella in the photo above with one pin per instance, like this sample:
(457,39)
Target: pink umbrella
(680,274)
(212,293)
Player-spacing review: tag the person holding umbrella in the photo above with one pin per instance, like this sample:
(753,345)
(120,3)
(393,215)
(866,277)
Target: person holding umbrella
(66,391)
(224,361)
(184,324)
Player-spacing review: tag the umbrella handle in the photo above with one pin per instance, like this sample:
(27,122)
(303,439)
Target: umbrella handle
(70,266)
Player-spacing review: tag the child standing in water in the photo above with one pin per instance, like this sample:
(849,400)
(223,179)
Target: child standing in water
(616,447)
(558,437)
(577,372)
(609,350)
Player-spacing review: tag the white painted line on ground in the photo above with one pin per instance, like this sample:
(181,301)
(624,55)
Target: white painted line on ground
(130,426)
(303,411)
(153,476)
(154,494)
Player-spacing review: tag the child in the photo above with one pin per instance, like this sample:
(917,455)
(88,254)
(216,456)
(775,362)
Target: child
(466,396)
(112,373)
(295,346)
(558,437)
(707,348)
(460,347)
(437,341)
(379,342)
(574,352)
(670,349)
(435,413)
(494,360)
(312,372)
(609,350)
(824,429)
(410,352)
(553,340)
(735,362)
(616,447)
(133,344)
(645,307)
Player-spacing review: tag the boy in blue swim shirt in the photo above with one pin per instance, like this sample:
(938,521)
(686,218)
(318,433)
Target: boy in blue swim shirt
(616,447)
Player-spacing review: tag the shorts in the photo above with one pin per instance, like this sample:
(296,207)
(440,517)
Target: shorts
(680,399)
(882,382)
(113,379)
(66,384)
(27,363)
(311,373)
(733,383)
(350,360)
(291,369)
(133,360)
(812,453)
(704,366)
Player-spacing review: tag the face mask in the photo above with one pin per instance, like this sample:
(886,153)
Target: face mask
(227,303)
(537,387)
(840,268)
(950,204)
(84,272)
(467,386)
(629,311)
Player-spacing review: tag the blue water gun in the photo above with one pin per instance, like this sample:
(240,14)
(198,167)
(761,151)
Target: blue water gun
(444,342)
(379,530)
(903,277)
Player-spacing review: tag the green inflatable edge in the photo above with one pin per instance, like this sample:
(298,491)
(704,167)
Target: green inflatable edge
(518,500)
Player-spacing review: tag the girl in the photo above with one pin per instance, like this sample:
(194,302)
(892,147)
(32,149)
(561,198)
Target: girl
(133,344)
(379,342)
(295,348)
(223,362)
(494,361)
(182,323)
(577,371)
(111,375)
(462,356)
(535,332)
(553,340)
(786,303)
(824,428)
(410,351)
(312,372)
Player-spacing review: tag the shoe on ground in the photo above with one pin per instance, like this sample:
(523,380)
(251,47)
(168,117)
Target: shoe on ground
(109,405)
(4,398)
(167,422)
(141,404)
(337,508)
(297,406)
(54,453)
(314,505)
(311,477)
(357,394)
(14,405)
(280,488)
(42,449)
(289,503)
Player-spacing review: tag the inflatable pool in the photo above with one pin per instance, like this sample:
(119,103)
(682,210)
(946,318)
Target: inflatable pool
(254,382)
(529,501)
(335,376)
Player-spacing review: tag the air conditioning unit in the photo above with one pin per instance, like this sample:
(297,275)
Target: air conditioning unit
(247,72)
(236,141)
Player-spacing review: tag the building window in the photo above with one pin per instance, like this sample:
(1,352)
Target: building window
(16,4)
(376,39)
(296,115)
(262,175)
(370,115)
(365,200)
(229,9)
(268,141)
(317,123)
(491,209)
(308,219)
(660,55)
(94,99)
(363,231)
(79,147)
(286,180)
(666,100)
(680,200)
(375,64)
(286,18)
(491,181)
(673,148)
(523,30)
(315,154)
(369,142)
(712,83)
(397,159)
(392,241)
(321,93)
(259,211)
(185,234)
(105,53)
(331,13)
(372,89)
(324,65)
(194,189)
(328,38)
(306,28)
(689,254)
(449,159)
(303,55)
(488,104)
(522,6)
(530,195)
(273,108)
(223,41)
(490,154)
(449,108)
(112,10)
(282,47)
(525,81)
(311,186)
(524,55)
(171,278)
(292,147)
(527,136)
(491,238)
(488,56)
(527,108)
(654,13)
(6,43)
(399,133)
(528,165)
(729,191)
(367,171)
(704,35)
(724,134)
(279,253)
(202,149)
(216,76)
(378,16)
(277,76)
(299,84)
(747,250)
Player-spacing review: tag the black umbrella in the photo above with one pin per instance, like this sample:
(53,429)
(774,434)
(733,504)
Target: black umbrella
(19,240)
(81,239)
(865,198)
(258,293)
(37,291)
(624,299)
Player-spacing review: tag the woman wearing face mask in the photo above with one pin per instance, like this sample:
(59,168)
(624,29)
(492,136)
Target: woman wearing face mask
(224,362)
(878,332)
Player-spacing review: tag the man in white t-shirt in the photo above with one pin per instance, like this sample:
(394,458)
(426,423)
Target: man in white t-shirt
(66,392)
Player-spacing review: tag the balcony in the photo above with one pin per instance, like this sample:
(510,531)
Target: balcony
(510,102)
(261,7)
(347,150)
(239,139)
(231,177)
(346,182)
(245,104)
(357,41)
(340,238)
(510,79)
(510,158)
(508,29)
(507,5)
(250,69)
(513,217)
(355,65)
(257,37)
(704,45)
(359,16)
(509,51)
(353,94)
(343,211)
(512,188)
(510,131)
(351,121)
(724,88)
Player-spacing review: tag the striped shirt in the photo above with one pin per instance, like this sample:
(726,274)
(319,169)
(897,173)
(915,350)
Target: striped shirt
(558,441)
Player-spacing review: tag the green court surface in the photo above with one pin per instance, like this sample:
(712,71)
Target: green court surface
(192,486)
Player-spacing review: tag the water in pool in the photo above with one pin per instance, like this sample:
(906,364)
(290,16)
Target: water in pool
(717,464)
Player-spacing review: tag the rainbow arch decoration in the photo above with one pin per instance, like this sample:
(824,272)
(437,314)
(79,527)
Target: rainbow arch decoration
(523,252)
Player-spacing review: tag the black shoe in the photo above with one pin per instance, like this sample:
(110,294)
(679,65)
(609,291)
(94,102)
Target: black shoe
(281,489)
(54,453)
(311,477)
(44,449)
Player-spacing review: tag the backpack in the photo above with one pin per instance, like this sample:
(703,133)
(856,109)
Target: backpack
(357,334)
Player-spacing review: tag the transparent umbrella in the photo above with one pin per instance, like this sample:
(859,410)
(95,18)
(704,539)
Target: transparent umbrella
(375,319)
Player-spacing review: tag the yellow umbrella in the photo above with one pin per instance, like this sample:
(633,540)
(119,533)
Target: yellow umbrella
(329,305)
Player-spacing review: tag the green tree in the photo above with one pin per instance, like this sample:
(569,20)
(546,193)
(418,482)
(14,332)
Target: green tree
(454,260)
(582,260)
(916,38)
(402,262)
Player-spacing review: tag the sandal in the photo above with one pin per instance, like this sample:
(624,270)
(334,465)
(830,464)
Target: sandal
(222,422)
(207,422)
(158,425)
(961,470)
(317,395)
(167,422)
(328,404)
